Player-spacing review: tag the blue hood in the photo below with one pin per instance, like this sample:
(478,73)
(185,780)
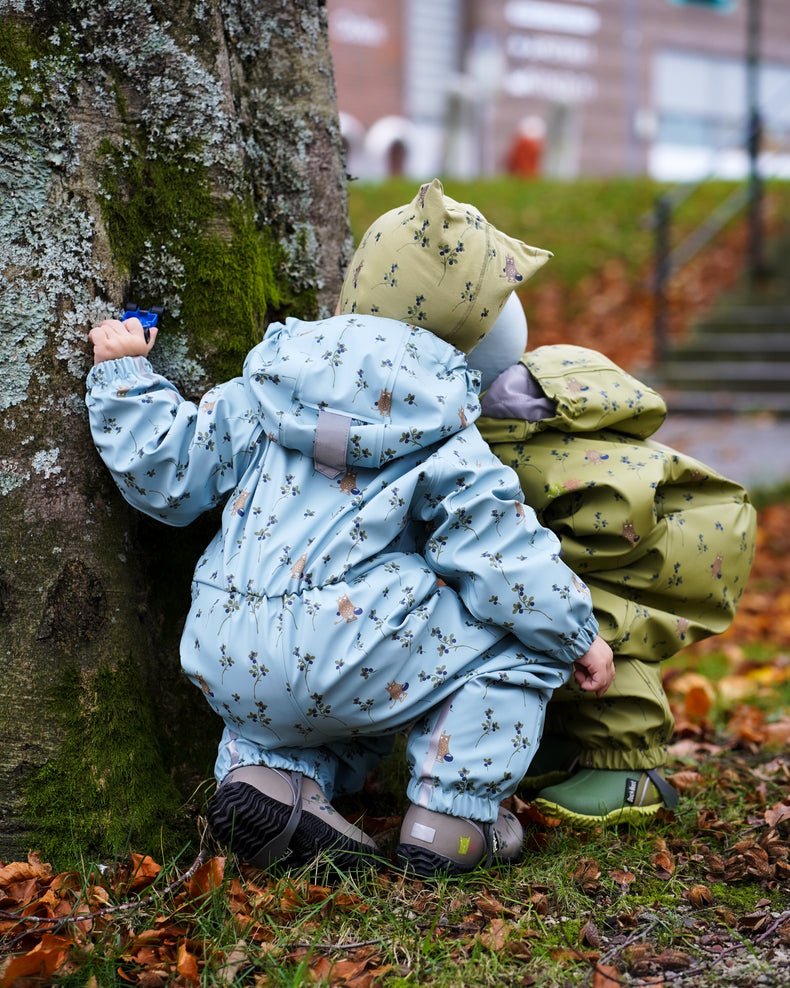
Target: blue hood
(372,388)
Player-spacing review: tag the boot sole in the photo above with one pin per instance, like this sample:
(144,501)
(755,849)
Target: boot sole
(428,864)
(242,817)
(624,814)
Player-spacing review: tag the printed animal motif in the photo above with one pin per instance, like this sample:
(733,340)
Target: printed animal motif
(681,627)
(629,532)
(512,273)
(520,512)
(346,610)
(348,485)
(298,567)
(207,406)
(122,391)
(580,585)
(574,385)
(421,195)
(397,692)
(204,686)
(384,404)
(462,417)
(715,568)
(443,748)
(240,504)
(595,456)
(357,269)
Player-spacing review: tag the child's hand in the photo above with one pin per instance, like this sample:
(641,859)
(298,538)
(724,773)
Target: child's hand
(594,671)
(112,339)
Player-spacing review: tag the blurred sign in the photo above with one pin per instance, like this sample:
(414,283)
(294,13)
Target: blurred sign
(539,15)
(354,28)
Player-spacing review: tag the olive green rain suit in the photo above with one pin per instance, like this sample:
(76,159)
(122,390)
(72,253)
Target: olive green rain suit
(664,543)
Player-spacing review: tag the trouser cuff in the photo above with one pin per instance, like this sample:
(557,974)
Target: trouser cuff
(624,760)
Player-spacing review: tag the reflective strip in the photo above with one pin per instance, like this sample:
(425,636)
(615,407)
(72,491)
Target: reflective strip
(421,832)
(433,748)
(233,751)
(331,443)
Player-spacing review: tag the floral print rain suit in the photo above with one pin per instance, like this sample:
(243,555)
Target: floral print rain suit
(375,571)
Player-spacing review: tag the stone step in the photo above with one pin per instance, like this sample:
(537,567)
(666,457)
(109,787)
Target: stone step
(750,315)
(740,317)
(731,346)
(761,375)
(718,402)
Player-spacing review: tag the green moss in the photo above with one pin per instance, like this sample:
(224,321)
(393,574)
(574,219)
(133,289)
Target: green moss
(106,787)
(230,287)
(25,54)
(221,272)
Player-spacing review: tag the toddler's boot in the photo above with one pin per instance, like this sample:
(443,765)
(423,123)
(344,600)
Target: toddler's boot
(595,796)
(434,843)
(555,761)
(268,815)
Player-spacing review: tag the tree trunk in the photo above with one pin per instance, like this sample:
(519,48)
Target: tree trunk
(186,155)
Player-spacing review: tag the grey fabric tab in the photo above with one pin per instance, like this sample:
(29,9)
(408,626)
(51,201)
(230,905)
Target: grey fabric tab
(331,443)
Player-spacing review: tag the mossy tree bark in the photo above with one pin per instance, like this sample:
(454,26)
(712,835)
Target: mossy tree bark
(185,154)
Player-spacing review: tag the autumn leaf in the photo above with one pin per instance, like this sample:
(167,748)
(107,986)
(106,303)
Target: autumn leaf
(143,871)
(232,963)
(662,860)
(606,976)
(187,965)
(587,874)
(589,935)
(208,878)
(777,813)
(495,936)
(41,962)
(623,878)
(672,959)
(699,896)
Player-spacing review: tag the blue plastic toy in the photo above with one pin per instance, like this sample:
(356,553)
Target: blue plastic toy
(148,317)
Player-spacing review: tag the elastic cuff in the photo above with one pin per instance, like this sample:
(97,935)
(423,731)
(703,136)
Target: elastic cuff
(465,804)
(235,752)
(624,760)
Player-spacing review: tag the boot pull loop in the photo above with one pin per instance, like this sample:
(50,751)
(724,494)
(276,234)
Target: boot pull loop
(278,848)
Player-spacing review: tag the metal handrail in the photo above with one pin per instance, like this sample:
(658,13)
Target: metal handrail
(668,259)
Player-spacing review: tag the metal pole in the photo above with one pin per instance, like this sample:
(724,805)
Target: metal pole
(754,136)
(660,278)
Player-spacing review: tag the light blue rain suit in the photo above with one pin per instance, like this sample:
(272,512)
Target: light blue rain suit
(375,569)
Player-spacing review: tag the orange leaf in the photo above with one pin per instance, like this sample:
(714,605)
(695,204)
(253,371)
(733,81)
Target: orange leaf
(187,963)
(606,976)
(777,813)
(623,878)
(143,871)
(697,702)
(663,863)
(41,962)
(209,876)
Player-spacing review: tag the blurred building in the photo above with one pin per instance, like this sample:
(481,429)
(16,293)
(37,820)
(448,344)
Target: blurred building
(566,88)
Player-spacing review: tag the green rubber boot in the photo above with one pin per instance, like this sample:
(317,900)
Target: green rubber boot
(554,762)
(593,797)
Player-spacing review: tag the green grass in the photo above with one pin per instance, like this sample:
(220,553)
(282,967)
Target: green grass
(584,223)
(577,900)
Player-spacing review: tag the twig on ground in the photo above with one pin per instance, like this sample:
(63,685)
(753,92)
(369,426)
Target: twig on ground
(51,923)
